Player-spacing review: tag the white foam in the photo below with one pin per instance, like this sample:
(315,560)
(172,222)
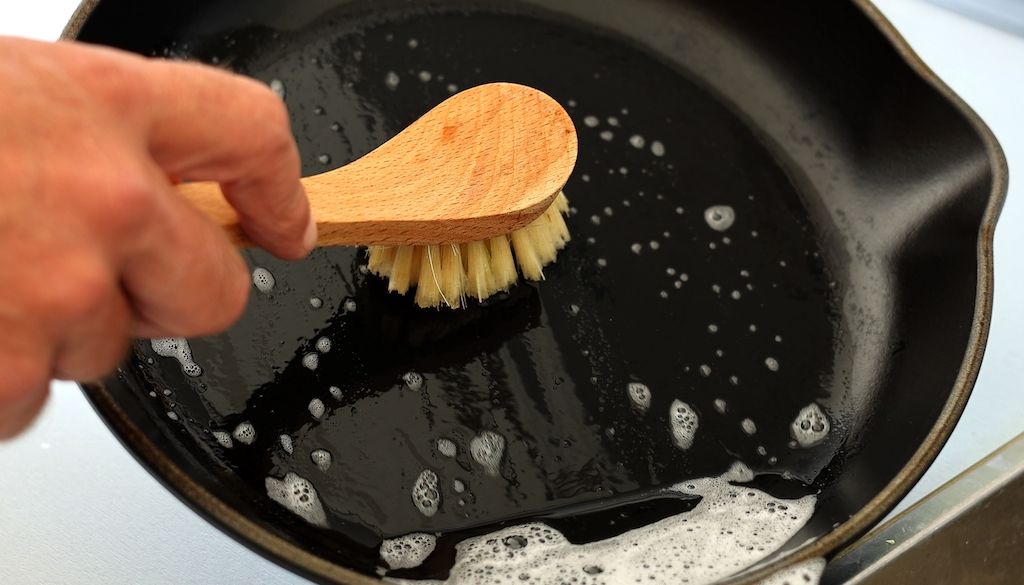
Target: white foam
(748,426)
(607,135)
(316,302)
(452,88)
(311,360)
(637,141)
(719,217)
(425,76)
(263,280)
(413,381)
(446,447)
(316,408)
(413,43)
(729,530)
(406,552)
(335,392)
(298,496)
(720,406)
(244,433)
(286,443)
(425,495)
(323,344)
(810,426)
(772,364)
(805,573)
(487,449)
(640,395)
(591,121)
(458,486)
(391,80)
(684,423)
(177,348)
(322,459)
(223,438)
(657,148)
(350,306)
(637,247)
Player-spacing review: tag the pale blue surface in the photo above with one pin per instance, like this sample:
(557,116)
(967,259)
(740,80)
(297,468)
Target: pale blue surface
(75,508)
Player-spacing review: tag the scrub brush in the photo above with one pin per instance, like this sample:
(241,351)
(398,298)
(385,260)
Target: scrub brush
(452,204)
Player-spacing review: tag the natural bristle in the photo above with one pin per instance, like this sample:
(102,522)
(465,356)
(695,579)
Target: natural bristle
(447,274)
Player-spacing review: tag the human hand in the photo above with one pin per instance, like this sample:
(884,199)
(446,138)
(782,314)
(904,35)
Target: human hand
(95,245)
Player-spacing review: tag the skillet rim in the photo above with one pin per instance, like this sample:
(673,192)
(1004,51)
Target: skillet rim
(311,566)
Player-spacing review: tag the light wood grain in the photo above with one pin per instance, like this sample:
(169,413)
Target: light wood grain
(485,162)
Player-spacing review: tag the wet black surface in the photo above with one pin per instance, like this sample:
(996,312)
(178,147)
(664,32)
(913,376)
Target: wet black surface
(546,366)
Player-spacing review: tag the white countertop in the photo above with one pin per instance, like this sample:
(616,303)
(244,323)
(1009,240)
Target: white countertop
(75,507)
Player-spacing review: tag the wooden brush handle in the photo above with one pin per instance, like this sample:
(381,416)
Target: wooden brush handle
(485,162)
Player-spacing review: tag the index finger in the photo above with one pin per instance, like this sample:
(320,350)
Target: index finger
(214,126)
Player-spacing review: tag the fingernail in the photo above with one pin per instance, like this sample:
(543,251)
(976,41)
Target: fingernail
(309,239)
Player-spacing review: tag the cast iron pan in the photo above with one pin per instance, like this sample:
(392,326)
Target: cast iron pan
(859,263)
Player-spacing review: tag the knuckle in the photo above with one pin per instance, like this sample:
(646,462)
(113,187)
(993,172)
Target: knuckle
(122,86)
(112,198)
(135,196)
(278,141)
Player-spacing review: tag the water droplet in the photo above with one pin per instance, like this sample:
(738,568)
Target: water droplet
(748,426)
(323,344)
(311,360)
(719,217)
(322,459)
(263,280)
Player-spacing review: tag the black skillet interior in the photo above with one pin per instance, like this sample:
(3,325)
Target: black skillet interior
(851,265)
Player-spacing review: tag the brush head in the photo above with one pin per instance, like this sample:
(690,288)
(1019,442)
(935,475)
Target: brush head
(448,274)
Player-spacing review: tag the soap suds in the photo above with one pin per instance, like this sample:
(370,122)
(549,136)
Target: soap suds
(729,530)
(223,438)
(177,348)
(244,433)
(683,423)
(322,459)
(263,280)
(810,426)
(316,408)
(487,449)
(639,396)
(299,496)
(406,552)
(719,217)
(446,447)
(425,495)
